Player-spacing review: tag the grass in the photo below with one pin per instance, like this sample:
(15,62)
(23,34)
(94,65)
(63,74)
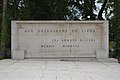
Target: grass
(1,58)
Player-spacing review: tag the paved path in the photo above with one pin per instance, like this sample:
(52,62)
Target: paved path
(58,70)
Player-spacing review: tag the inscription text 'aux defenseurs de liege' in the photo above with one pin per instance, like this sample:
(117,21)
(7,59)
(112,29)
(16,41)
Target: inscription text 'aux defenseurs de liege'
(65,39)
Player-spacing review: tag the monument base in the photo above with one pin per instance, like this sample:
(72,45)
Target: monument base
(101,54)
(18,54)
(110,60)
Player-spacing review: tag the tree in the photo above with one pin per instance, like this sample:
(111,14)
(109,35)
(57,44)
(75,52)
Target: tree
(100,16)
(89,7)
(82,9)
(4,35)
(45,9)
(117,25)
(0,20)
(1,12)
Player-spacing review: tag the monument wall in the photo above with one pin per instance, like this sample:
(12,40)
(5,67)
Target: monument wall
(59,39)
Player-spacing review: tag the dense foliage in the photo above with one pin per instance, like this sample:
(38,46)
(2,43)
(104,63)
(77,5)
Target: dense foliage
(59,10)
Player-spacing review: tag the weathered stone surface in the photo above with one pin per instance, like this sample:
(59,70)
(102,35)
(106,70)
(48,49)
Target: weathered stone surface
(18,54)
(61,38)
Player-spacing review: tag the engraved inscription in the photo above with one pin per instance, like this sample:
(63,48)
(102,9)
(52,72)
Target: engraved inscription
(62,40)
(57,39)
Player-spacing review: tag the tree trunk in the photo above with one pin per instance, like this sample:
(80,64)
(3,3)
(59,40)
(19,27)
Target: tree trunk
(1,4)
(3,29)
(4,8)
(15,9)
(27,10)
(101,10)
(86,9)
(16,4)
(91,10)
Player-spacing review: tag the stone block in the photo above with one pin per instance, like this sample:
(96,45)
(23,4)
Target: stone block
(18,54)
(102,54)
(70,39)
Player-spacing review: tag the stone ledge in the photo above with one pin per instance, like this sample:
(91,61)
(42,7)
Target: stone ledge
(109,60)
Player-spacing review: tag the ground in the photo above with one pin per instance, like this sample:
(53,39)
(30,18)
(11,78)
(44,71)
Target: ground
(58,70)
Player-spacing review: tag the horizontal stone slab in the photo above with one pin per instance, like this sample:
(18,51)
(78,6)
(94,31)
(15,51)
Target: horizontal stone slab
(60,38)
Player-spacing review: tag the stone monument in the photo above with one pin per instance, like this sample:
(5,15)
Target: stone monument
(59,39)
